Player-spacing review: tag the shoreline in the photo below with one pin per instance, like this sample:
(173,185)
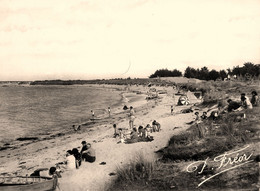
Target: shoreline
(88,127)
(50,152)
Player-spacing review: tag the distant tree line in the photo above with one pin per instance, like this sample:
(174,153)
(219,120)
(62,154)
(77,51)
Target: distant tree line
(248,68)
(166,73)
(205,74)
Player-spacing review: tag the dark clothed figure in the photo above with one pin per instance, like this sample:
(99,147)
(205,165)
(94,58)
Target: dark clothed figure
(254,99)
(77,156)
(89,155)
(232,105)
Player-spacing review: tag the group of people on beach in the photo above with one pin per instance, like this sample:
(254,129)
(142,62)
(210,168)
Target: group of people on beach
(74,157)
(232,106)
(133,134)
(73,160)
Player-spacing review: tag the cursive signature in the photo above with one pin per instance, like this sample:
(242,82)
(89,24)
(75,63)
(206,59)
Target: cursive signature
(223,160)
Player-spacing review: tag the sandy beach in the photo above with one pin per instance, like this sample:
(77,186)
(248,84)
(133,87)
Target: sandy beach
(93,176)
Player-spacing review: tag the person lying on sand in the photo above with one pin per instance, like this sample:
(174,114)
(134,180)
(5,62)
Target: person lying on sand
(89,155)
(45,172)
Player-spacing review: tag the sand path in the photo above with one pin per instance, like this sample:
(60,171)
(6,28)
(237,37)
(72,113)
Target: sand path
(96,177)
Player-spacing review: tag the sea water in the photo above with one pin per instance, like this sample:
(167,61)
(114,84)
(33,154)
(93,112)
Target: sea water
(33,111)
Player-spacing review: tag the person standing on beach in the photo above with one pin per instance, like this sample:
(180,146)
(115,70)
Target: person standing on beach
(131,117)
(109,111)
(171,109)
(93,115)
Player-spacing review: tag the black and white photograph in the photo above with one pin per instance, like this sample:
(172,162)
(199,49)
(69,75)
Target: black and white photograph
(129,95)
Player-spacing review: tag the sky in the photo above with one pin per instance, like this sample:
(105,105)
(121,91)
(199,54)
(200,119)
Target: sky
(96,39)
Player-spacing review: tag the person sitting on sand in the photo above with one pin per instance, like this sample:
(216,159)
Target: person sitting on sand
(45,172)
(156,126)
(204,115)
(254,99)
(70,160)
(232,105)
(121,135)
(84,146)
(149,128)
(131,117)
(141,132)
(89,155)
(133,137)
(245,102)
(77,156)
(147,134)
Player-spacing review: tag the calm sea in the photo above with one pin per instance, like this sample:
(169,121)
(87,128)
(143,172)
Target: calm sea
(40,110)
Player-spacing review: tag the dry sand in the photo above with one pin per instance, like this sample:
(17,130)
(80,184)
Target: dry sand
(93,176)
